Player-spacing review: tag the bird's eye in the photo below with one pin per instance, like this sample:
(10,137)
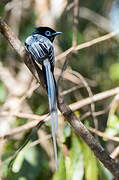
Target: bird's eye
(47,33)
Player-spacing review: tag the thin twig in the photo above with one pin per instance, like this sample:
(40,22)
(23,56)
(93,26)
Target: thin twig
(34,143)
(62,70)
(69,6)
(33,131)
(101,134)
(87,44)
(92,16)
(113,106)
(115,153)
(95,18)
(73,107)
(90,95)
(70,90)
(66,75)
(75,22)
(36,120)
(97,97)
(87,114)
(25,127)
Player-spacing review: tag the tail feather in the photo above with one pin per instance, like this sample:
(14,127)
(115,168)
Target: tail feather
(51,89)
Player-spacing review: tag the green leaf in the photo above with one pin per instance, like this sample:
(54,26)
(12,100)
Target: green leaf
(114,71)
(68,167)
(110,132)
(61,173)
(17,164)
(31,156)
(41,109)
(112,126)
(5,167)
(113,121)
(103,172)
(67,131)
(77,159)
(3,93)
(22,178)
(91,169)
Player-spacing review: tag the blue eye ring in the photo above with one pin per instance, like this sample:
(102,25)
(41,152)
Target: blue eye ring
(47,33)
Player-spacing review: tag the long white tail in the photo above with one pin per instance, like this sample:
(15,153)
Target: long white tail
(51,89)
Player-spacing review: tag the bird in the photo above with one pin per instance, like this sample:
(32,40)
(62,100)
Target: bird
(40,46)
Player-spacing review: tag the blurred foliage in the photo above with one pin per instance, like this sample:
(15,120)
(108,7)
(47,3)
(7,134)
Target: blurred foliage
(99,63)
(3,93)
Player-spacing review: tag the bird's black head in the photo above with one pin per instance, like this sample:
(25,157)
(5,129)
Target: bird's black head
(47,32)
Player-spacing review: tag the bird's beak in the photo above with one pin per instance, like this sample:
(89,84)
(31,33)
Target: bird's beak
(56,33)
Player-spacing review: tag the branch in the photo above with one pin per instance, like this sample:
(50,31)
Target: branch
(18,47)
(75,22)
(101,134)
(95,18)
(87,44)
(82,131)
(115,153)
(73,107)
(92,16)
(79,128)
(12,39)
(97,97)
(98,113)
(95,122)
(26,126)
